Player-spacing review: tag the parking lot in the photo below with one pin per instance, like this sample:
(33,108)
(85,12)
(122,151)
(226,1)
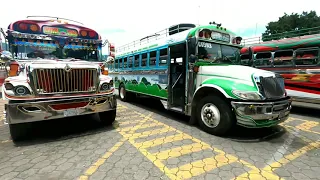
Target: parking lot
(151,143)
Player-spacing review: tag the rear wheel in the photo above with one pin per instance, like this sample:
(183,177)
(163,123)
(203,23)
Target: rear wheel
(214,115)
(107,117)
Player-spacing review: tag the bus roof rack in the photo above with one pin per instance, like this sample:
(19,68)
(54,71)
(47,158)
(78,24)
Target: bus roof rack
(158,35)
(57,18)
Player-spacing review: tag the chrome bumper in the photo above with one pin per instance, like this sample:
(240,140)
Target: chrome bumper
(261,114)
(22,112)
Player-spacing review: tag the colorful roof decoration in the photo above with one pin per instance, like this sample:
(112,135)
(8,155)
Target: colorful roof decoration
(47,29)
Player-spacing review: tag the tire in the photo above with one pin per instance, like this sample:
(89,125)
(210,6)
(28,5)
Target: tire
(107,117)
(221,110)
(125,96)
(18,131)
(122,93)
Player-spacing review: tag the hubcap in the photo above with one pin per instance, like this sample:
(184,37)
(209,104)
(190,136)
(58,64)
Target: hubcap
(210,115)
(122,93)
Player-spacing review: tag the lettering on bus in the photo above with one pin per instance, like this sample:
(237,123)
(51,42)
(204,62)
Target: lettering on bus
(205,45)
(59,31)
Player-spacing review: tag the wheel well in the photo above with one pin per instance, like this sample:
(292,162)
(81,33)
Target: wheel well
(204,92)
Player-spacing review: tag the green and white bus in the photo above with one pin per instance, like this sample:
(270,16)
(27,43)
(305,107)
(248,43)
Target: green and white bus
(195,70)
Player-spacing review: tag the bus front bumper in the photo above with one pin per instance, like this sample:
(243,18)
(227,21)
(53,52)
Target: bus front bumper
(261,114)
(39,110)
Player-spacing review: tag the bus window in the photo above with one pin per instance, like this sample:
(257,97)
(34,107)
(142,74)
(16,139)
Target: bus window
(116,64)
(125,62)
(163,57)
(153,58)
(263,59)
(144,60)
(120,63)
(283,58)
(130,61)
(136,60)
(307,57)
(244,59)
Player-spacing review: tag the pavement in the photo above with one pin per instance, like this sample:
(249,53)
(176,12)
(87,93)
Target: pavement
(148,142)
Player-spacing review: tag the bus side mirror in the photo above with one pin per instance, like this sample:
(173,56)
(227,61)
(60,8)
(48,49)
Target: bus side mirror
(6,56)
(250,53)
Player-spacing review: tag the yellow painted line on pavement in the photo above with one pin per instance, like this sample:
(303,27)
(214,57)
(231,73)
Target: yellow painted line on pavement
(219,158)
(269,169)
(5,141)
(93,168)
(306,126)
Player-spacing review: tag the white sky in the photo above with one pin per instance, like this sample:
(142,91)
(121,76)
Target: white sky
(123,21)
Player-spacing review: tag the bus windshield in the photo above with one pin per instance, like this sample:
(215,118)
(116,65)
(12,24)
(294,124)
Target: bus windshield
(218,53)
(26,52)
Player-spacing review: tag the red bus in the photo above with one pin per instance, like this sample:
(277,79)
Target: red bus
(296,59)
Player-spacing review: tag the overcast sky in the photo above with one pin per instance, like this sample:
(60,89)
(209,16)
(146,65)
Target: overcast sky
(122,21)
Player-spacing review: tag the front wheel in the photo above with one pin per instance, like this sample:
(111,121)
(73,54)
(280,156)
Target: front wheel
(107,117)
(215,115)
(19,131)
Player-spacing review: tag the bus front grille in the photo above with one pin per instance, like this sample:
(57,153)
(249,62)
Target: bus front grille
(272,87)
(51,81)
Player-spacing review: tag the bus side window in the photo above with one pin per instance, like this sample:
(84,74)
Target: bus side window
(244,59)
(283,58)
(120,63)
(153,58)
(125,62)
(163,57)
(307,57)
(144,60)
(130,62)
(136,60)
(263,59)
(116,64)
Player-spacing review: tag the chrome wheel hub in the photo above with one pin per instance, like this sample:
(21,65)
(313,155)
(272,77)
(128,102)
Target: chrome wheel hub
(210,115)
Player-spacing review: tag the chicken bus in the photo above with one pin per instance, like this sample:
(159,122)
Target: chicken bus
(297,60)
(195,70)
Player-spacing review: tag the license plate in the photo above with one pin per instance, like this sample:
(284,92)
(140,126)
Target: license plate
(70,112)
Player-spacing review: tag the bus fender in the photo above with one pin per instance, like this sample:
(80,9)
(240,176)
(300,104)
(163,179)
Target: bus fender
(202,91)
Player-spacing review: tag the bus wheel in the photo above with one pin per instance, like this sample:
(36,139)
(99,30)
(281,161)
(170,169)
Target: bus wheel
(215,115)
(122,93)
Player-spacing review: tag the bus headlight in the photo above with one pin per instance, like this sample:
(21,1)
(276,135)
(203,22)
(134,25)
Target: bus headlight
(247,95)
(21,91)
(106,86)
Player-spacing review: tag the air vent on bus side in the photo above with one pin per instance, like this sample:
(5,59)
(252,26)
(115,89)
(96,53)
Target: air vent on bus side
(180,27)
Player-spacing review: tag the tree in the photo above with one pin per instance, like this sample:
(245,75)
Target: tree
(292,25)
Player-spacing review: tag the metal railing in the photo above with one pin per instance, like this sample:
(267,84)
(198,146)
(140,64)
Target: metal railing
(153,37)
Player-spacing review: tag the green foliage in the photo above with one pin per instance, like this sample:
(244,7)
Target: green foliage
(292,25)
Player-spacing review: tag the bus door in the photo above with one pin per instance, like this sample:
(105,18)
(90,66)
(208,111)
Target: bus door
(177,75)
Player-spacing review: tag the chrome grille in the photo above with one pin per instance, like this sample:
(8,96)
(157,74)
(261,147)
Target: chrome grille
(272,87)
(48,81)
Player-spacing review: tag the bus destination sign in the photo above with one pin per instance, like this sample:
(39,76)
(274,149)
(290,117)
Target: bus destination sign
(220,36)
(59,31)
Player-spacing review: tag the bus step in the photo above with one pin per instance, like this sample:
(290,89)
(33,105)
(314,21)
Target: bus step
(164,103)
(177,109)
